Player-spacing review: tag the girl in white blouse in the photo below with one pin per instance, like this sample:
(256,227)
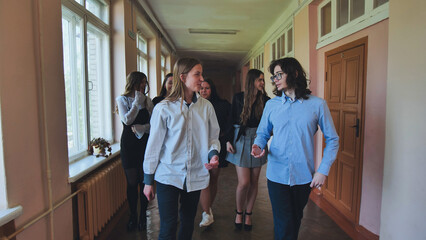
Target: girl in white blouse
(182,148)
(135,110)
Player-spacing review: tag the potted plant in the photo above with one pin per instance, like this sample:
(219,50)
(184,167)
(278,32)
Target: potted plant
(99,146)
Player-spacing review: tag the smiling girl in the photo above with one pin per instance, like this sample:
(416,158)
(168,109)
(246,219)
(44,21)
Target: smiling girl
(181,150)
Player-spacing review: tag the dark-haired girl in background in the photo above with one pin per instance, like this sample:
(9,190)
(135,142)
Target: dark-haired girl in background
(135,109)
(166,88)
(222,109)
(247,108)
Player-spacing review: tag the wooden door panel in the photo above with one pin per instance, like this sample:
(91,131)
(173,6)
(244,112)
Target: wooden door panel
(331,181)
(347,186)
(334,80)
(344,95)
(348,135)
(350,90)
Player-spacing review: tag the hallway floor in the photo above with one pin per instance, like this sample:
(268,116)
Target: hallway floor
(316,225)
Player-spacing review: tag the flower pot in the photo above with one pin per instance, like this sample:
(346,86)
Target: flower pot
(97,151)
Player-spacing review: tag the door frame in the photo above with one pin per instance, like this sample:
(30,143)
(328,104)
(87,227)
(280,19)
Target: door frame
(356,43)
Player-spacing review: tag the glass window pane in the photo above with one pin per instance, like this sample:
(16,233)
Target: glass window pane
(262,60)
(72,34)
(342,12)
(357,8)
(273,51)
(282,53)
(163,61)
(142,44)
(290,40)
(98,83)
(379,2)
(79,1)
(98,8)
(326,19)
(278,47)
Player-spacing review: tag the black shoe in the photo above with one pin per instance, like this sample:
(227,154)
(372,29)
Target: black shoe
(238,226)
(246,226)
(131,225)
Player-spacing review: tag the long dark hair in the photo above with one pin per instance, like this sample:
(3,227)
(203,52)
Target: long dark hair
(252,96)
(296,76)
(134,79)
(213,96)
(163,91)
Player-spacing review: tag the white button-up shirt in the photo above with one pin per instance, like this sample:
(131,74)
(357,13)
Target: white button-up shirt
(181,141)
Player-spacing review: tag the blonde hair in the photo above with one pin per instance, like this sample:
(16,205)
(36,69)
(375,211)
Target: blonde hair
(182,66)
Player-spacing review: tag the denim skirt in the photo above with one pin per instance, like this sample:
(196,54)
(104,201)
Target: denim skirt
(242,156)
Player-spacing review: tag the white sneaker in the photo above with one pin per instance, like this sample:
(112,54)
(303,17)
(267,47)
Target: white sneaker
(207,219)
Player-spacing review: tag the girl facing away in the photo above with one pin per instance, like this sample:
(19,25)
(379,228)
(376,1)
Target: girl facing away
(135,109)
(183,146)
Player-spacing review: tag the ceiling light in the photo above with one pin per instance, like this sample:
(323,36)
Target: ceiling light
(212,31)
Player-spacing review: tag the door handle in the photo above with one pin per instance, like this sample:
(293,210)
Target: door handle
(356,126)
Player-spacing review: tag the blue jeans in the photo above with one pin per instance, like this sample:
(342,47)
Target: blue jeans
(168,200)
(287,203)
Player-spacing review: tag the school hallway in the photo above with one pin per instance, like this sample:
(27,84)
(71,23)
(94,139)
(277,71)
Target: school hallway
(316,225)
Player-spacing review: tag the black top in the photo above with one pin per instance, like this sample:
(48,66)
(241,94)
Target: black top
(157,100)
(235,118)
(222,109)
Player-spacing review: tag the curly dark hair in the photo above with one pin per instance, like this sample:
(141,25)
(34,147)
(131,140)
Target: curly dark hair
(296,76)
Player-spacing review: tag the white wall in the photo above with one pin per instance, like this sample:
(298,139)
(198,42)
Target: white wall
(403,213)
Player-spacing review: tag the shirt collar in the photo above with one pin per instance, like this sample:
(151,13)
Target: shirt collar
(194,98)
(284,98)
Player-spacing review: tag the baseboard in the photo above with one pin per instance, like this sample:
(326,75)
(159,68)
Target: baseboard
(354,231)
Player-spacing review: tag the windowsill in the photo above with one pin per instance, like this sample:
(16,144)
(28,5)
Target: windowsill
(9,214)
(82,167)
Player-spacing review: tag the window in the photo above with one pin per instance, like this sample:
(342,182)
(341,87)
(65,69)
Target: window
(97,7)
(86,73)
(283,45)
(163,66)
(340,18)
(258,61)
(142,60)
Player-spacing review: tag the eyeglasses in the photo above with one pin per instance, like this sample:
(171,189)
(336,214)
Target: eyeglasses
(277,76)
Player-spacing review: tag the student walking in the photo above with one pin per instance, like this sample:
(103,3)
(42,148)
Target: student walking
(135,109)
(293,117)
(246,111)
(181,150)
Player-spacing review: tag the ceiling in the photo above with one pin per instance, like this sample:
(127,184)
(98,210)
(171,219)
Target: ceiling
(250,18)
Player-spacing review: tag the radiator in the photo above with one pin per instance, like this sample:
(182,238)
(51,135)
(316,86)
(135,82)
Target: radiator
(102,194)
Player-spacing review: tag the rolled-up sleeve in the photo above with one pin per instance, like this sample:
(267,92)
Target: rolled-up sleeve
(153,149)
(214,131)
(331,139)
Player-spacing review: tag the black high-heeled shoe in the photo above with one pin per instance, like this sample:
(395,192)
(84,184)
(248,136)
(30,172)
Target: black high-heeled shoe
(246,226)
(239,226)
(133,221)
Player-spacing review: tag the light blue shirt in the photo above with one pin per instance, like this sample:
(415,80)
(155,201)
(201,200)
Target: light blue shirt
(294,124)
(183,138)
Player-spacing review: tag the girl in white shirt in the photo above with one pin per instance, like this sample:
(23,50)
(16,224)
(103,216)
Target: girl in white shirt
(182,148)
(135,110)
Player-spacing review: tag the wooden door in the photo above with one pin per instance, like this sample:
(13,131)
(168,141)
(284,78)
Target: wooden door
(344,91)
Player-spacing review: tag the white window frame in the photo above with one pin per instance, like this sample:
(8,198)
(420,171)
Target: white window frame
(371,16)
(105,94)
(258,61)
(142,54)
(283,33)
(3,190)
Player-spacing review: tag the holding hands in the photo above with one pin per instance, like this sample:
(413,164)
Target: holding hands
(256,151)
(214,163)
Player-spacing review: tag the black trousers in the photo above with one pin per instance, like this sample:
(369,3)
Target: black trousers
(287,203)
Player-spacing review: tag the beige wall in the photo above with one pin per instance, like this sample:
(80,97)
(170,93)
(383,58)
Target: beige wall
(404,193)
(33,115)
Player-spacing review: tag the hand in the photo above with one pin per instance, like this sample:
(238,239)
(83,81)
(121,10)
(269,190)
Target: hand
(139,99)
(256,151)
(141,129)
(318,180)
(229,147)
(149,192)
(214,163)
